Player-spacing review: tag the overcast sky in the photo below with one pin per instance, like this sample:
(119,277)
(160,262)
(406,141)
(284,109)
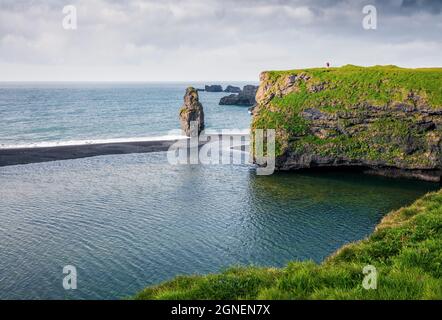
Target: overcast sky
(202,40)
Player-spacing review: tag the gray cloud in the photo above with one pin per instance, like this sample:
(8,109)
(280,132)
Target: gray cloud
(433,6)
(209,39)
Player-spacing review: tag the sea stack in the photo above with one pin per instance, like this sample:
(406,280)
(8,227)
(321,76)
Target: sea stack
(213,88)
(192,110)
(246,97)
(232,89)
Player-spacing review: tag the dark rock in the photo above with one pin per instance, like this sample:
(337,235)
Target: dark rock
(245,98)
(249,91)
(235,99)
(192,110)
(312,114)
(232,89)
(424,126)
(315,88)
(214,88)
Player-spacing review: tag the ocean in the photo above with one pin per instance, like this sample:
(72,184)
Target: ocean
(45,114)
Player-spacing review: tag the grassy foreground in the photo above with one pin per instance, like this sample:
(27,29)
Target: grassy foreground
(406,249)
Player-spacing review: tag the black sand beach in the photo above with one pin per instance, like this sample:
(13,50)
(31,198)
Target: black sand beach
(15,156)
(42,154)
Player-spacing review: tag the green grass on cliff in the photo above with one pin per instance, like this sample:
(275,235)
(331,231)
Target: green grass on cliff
(378,85)
(344,92)
(406,250)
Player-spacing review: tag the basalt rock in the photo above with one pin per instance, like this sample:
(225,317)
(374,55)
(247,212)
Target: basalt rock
(214,88)
(245,98)
(232,89)
(235,99)
(383,120)
(192,110)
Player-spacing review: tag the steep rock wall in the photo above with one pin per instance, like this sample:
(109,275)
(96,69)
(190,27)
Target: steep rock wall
(384,119)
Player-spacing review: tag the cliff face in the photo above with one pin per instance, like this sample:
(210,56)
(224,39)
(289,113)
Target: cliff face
(387,120)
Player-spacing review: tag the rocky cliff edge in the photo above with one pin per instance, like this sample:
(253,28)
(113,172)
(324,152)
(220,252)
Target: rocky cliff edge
(384,119)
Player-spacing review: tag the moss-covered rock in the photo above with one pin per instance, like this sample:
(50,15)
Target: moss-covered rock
(384,118)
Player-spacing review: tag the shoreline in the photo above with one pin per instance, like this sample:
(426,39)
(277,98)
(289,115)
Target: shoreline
(27,155)
(31,154)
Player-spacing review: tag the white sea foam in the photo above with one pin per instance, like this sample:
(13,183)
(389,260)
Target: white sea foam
(169,137)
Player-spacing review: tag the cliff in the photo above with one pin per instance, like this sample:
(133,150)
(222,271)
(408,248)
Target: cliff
(383,119)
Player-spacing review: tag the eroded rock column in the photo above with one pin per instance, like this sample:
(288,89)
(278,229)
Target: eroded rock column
(191,111)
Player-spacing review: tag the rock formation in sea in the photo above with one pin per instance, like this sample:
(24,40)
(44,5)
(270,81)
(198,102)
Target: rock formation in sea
(245,98)
(214,88)
(192,110)
(232,89)
(384,120)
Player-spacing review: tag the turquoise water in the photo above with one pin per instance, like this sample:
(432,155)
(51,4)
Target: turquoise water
(129,221)
(33,113)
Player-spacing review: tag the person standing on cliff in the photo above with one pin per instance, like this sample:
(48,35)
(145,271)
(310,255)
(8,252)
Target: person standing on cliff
(327,64)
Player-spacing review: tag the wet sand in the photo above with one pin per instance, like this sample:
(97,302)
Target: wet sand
(42,154)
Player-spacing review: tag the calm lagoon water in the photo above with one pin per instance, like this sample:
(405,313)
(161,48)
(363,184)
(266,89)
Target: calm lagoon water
(128,221)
